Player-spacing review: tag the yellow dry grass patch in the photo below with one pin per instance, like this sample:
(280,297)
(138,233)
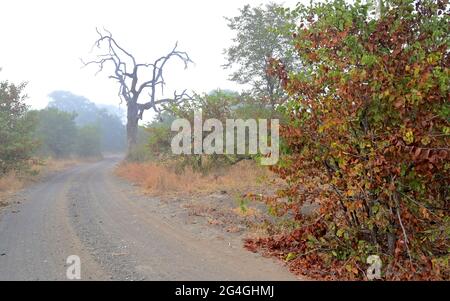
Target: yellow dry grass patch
(158,179)
(9,183)
(51,165)
(13,181)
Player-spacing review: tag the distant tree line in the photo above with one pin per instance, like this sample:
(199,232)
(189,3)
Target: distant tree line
(70,125)
(107,119)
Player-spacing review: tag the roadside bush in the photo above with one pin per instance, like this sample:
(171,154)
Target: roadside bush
(16,127)
(159,136)
(221,105)
(142,152)
(368,141)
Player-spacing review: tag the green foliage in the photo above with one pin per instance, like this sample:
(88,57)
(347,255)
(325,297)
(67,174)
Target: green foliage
(57,132)
(60,137)
(368,138)
(217,104)
(88,142)
(221,105)
(16,127)
(159,137)
(258,38)
(142,151)
(107,119)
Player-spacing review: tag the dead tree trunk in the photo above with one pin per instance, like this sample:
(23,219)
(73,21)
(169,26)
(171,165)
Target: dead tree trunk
(131,87)
(132,126)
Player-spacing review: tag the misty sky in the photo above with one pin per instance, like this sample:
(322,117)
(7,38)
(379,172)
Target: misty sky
(42,42)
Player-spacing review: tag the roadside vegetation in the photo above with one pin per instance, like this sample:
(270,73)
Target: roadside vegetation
(165,180)
(33,142)
(15,180)
(361,91)
(368,140)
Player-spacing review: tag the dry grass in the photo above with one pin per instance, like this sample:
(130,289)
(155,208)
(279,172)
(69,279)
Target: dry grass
(52,165)
(12,182)
(162,180)
(9,184)
(219,198)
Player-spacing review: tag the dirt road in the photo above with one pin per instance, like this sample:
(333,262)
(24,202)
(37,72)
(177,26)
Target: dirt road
(87,211)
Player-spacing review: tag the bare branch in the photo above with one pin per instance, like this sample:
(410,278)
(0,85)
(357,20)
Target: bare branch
(176,100)
(126,71)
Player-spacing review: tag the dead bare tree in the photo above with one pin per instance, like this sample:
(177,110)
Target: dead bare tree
(126,72)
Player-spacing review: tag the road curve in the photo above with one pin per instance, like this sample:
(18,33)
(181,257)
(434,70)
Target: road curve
(88,212)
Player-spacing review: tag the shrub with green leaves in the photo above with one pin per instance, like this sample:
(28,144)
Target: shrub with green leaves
(16,129)
(88,142)
(368,140)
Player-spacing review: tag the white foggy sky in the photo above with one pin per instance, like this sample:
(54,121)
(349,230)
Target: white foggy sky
(42,42)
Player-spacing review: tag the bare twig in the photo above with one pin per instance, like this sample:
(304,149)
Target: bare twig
(127,70)
(403,228)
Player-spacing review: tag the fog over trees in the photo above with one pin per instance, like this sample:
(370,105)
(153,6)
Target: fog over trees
(107,118)
(356,96)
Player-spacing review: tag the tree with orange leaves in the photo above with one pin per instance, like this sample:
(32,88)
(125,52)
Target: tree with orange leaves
(368,140)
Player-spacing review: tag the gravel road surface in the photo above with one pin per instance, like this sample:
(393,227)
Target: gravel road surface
(87,211)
